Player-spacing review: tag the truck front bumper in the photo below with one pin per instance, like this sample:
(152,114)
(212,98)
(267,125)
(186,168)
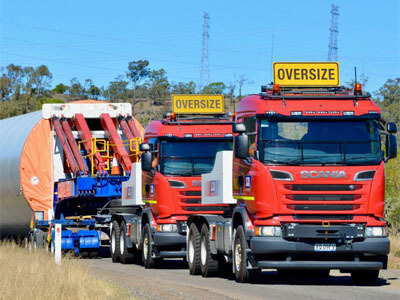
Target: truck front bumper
(170,244)
(368,254)
(162,239)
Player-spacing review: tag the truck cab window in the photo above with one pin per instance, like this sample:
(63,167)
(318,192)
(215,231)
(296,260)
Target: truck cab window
(250,123)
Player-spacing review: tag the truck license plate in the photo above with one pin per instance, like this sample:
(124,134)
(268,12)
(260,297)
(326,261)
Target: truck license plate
(325,247)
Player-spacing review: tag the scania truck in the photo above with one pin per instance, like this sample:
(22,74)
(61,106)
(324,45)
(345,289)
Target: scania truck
(307,180)
(149,222)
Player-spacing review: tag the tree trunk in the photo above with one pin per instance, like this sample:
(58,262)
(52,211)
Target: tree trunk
(134,97)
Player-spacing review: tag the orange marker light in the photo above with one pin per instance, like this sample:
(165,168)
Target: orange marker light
(358,89)
(173,116)
(276,89)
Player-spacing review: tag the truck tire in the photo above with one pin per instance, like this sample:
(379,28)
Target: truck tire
(147,253)
(39,240)
(114,244)
(126,257)
(193,249)
(365,277)
(208,264)
(242,274)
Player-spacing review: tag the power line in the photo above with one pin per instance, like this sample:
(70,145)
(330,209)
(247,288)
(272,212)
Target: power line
(205,65)
(333,47)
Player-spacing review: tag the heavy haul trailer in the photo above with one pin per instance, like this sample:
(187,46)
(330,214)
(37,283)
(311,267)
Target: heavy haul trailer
(165,188)
(68,161)
(308,178)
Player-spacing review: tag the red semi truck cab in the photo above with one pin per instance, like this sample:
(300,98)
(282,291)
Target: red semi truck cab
(308,179)
(313,181)
(183,145)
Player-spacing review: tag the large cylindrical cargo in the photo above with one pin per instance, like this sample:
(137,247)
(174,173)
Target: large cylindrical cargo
(15,213)
(29,164)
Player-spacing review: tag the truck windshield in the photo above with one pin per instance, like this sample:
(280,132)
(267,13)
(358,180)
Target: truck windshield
(190,157)
(353,142)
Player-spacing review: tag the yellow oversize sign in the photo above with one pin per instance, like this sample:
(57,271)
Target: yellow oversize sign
(198,104)
(306,74)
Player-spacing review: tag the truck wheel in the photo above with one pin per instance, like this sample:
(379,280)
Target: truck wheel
(208,264)
(126,256)
(147,252)
(242,274)
(365,277)
(114,245)
(193,249)
(39,240)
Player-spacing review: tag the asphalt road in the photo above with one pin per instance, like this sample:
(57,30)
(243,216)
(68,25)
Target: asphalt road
(172,281)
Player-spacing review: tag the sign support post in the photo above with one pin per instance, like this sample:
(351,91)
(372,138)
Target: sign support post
(57,244)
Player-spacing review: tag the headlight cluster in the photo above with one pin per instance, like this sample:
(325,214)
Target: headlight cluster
(268,231)
(376,231)
(167,228)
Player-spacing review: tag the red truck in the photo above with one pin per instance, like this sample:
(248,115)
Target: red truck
(149,222)
(307,176)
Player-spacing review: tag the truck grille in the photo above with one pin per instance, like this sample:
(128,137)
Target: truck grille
(323,217)
(323,197)
(323,207)
(323,187)
(316,201)
(192,197)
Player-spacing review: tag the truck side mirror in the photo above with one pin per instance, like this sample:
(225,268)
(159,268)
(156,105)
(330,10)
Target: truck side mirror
(242,146)
(391,147)
(144,147)
(391,127)
(146,160)
(238,127)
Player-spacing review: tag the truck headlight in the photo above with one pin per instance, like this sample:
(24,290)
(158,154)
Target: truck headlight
(375,231)
(167,228)
(268,231)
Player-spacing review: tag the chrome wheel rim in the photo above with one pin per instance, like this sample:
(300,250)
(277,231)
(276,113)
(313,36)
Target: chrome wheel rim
(191,250)
(238,256)
(145,247)
(203,251)
(113,242)
(122,243)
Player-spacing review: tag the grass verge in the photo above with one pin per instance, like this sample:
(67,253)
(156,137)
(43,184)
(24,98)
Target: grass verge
(394,256)
(29,274)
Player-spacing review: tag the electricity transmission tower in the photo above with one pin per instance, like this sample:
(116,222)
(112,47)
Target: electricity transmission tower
(205,67)
(333,47)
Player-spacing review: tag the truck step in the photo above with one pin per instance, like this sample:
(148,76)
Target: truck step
(172,254)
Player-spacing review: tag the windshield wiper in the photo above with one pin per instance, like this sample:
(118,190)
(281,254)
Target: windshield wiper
(293,162)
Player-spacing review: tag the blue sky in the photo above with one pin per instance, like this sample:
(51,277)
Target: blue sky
(97,39)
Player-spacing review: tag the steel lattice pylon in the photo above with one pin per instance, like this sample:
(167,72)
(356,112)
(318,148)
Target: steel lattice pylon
(333,47)
(204,66)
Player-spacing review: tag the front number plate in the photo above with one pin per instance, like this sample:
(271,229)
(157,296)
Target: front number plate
(325,247)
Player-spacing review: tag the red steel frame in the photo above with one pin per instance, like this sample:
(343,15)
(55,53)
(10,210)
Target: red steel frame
(116,142)
(74,146)
(66,147)
(86,136)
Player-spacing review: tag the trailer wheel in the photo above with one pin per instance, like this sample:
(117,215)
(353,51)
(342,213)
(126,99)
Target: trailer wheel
(38,240)
(147,252)
(208,264)
(193,249)
(242,274)
(126,256)
(114,245)
(365,277)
